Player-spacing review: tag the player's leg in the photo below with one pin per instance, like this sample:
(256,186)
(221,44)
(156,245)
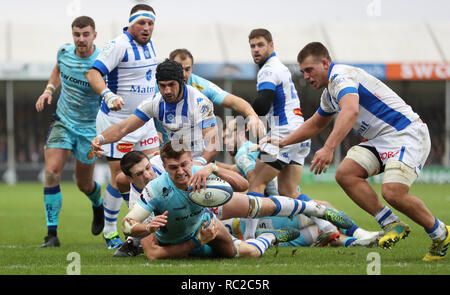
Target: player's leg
(84,175)
(223,245)
(248,206)
(397,179)
(112,201)
(262,175)
(55,159)
(288,180)
(351,176)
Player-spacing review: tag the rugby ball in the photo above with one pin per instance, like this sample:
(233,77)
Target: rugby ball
(216,193)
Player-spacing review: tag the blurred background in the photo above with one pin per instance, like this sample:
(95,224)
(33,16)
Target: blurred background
(406,44)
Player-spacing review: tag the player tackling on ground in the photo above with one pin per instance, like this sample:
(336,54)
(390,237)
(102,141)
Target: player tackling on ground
(396,142)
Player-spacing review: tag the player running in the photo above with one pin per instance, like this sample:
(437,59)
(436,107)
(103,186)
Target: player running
(396,142)
(73,126)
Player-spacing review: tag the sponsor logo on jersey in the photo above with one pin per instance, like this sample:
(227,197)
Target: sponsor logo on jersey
(148,75)
(125,147)
(142,89)
(388,155)
(298,112)
(199,87)
(149,141)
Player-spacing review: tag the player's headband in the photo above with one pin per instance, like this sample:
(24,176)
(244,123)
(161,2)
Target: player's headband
(141,14)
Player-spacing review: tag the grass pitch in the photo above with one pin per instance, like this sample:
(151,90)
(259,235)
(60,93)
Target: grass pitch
(22,224)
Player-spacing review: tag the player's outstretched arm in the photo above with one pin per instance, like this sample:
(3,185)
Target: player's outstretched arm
(47,95)
(240,105)
(115,132)
(307,130)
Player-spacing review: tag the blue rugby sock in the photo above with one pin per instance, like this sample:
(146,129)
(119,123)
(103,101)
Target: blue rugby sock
(96,195)
(53,204)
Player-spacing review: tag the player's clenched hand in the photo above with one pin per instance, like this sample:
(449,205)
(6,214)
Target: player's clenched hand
(209,233)
(45,97)
(112,100)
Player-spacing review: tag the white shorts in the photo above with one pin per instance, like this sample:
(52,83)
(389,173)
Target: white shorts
(288,154)
(142,139)
(411,146)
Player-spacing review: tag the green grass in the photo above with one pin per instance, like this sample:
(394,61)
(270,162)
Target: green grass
(22,227)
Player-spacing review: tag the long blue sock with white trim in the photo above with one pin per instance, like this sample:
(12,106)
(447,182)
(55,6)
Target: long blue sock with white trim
(112,201)
(53,204)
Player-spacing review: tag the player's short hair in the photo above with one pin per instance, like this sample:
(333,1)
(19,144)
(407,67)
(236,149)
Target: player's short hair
(183,53)
(138,7)
(130,159)
(83,21)
(169,152)
(316,49)
(260,33)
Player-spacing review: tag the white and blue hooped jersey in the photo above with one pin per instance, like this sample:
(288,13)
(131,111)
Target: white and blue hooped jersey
(184,216)
(275,76)
(130,69)
(184,119)
(78,103)
(381,110)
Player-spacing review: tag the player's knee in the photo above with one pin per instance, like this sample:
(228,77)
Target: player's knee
(122,182)
(52,177)
(394,193)
(84,186)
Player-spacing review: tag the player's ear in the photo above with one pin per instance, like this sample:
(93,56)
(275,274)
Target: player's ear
(325,63)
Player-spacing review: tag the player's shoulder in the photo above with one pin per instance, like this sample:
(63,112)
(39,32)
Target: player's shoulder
(195,96)
(66,48)
(198,82)
(342,71)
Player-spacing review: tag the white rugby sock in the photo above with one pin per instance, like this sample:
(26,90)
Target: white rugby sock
(262,242)
(250,228)
(385,216)
(439,231)
(112,201)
